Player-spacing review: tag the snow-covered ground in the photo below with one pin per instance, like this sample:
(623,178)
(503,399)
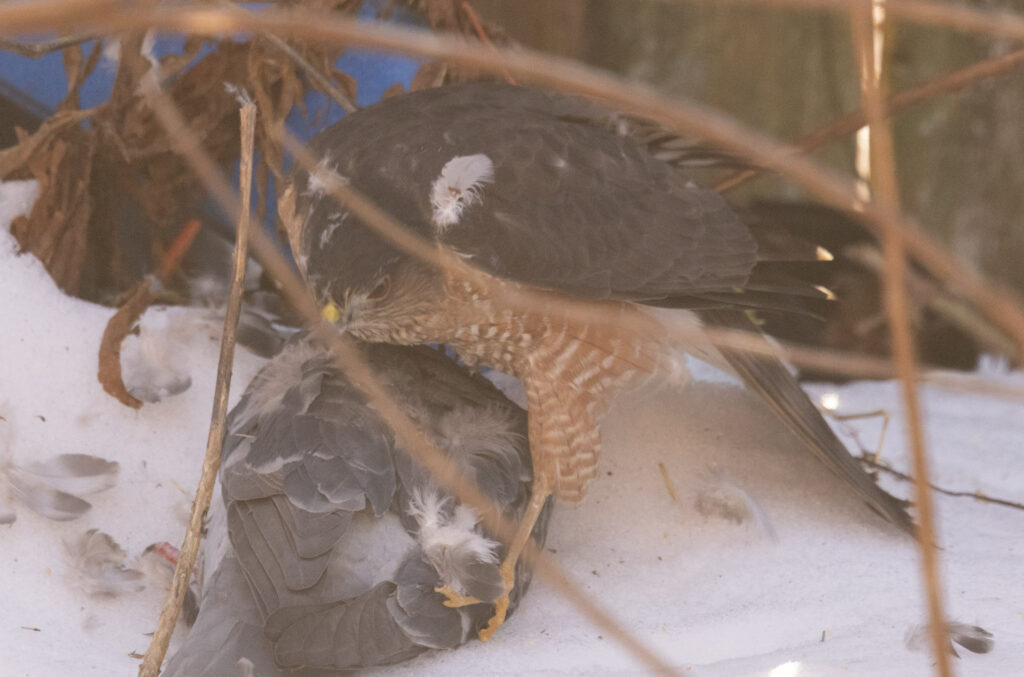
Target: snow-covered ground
(806,582)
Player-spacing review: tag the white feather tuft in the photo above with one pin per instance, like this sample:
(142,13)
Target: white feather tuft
(324,178)
(450,539)
(459,186)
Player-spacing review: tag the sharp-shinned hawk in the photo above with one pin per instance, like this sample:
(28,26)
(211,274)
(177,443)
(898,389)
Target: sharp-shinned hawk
(552,194)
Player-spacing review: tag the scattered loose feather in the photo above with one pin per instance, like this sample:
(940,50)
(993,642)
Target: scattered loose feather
(971,637)
(46,501)
(153,363)
(720,497)
(98,564)
(76,473)
(50,488)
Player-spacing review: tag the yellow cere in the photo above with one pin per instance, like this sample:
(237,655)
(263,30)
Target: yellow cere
(330,313)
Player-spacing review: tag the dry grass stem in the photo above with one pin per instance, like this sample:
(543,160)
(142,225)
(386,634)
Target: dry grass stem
(976,495)
(322,81)
(36,50)
(48,15)
(883,181)
(211,462)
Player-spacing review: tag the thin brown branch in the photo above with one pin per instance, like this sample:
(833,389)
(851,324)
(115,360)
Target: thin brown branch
(976,495)
(321,80)
(926,293)
(467,9)
(883,181)
(179,247)
(685,118)
(37,50)
(848,124)
(211,462)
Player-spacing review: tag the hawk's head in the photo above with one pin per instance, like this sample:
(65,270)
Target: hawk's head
(362,282)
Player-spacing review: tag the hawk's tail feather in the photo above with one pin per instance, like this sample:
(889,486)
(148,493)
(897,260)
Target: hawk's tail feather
(770,302)
(770,379)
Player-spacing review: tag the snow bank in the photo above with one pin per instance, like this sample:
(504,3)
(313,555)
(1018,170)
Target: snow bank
(709,533)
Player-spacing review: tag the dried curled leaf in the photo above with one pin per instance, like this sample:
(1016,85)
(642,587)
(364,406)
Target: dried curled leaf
(431,74)
(118,327)
(99,565)
(14,158)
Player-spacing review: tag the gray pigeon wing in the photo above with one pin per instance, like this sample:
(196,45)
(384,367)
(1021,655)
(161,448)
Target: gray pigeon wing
(228,629)
(420,611)
(348,635)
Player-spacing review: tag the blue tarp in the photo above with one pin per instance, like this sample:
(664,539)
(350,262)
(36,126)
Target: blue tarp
(41,84)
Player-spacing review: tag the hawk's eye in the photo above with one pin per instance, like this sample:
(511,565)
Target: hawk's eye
(381,290)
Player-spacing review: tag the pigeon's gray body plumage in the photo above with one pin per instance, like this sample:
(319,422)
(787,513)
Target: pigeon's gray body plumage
(330,540)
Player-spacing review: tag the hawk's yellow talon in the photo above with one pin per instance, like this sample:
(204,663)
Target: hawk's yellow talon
(501,605)
(455,600)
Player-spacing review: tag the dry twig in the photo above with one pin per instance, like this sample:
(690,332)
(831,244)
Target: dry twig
(976,495)
(883,181)
(211,462)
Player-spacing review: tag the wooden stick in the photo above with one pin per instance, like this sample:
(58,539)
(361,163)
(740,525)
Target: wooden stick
(211,462)
(883,181)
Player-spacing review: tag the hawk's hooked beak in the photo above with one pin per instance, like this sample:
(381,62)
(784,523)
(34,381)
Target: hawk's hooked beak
(332,313)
